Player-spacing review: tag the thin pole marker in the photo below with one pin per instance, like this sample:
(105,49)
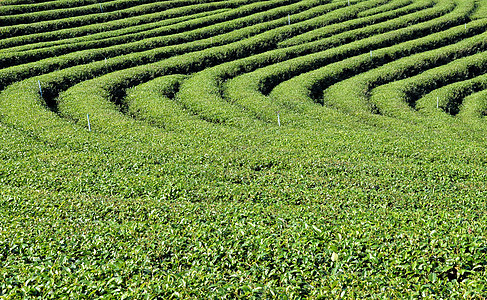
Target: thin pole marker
(278,119)
(88,118)
(288,19)
(40,88)
(437,102)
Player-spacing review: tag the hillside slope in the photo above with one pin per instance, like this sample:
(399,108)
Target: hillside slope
(243,148)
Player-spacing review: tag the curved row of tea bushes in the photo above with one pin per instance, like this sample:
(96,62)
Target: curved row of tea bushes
(38,27)
(138,24)
(481,10)
(177,34)
(450,97)
(215,113)
(425,13)
(397,98)
(395,4)
(108,25)
(474,107)
(312,84)
(110,34)
(62,13)
(351,95)
(251,85)
(268,35)
(154,103)
(26,93)
(129,55)
(37,6)
(212,78)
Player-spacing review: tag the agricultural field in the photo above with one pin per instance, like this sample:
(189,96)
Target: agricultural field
(254,149)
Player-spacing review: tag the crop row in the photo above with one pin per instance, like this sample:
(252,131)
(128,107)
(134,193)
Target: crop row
(314,82)
(25,29)
(248,87)
(133,59)
(210,79)
(153,102)
(395,4)
(109,34)
(179,33)
(21,8)
(53,14)
(394,20)
(385,34)
(264,41)
(474,106)
(389,96)
(23,42)
(450,98)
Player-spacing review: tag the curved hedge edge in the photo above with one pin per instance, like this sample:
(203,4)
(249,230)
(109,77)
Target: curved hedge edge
(269,31)
(16,8)
(273,74)
(395,4)
(39,27)
(357,27)
(399,98)
(63,13)
(153,102)
(481,10)
(450,98)
(107,35)
(474,107)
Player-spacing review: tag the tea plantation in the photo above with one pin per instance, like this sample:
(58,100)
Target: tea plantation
(254,149)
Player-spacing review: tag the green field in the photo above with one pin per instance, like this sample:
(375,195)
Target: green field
(255,149)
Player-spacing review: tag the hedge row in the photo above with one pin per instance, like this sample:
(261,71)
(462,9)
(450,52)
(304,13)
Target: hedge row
(17,7)
(178,33)
(38,27)
(53,83)
(481,10)
(474,107)
(210,80)
(117,81)
(313,83)
(395,4)
(263,80)
(62,13)
(68,33)
(418,12)
(394,98)
(352,95)
(153,102)
(132,30)
(266,38)
(450,97)
(245,90)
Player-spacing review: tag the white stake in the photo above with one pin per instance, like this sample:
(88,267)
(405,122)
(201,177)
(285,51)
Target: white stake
(437,102)
(288,20)
(371,53)
(101,9)
(278,120)
(88,118)
(40,88)
(348,2)
(465,25)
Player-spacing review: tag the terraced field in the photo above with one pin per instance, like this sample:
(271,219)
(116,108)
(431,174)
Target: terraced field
(243,149)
